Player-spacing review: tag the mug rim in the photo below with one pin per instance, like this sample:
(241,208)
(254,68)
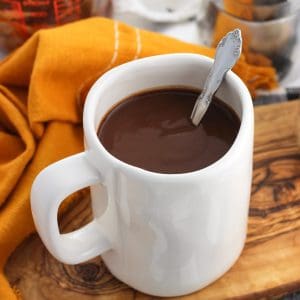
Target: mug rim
(92,140)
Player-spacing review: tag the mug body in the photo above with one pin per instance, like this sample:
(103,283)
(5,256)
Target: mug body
(171,234)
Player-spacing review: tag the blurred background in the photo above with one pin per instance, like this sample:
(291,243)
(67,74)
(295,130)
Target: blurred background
(270,27)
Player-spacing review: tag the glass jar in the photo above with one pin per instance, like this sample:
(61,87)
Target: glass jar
(19,19)
(270,31)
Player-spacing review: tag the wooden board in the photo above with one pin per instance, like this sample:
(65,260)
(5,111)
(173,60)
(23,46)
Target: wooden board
(270,263)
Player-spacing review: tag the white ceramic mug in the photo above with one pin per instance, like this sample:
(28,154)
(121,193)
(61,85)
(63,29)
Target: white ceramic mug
(163,234)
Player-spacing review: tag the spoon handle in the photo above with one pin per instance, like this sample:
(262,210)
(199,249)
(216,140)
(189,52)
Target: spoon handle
(227,54)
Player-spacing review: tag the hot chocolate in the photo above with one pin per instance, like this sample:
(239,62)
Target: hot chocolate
(152,130)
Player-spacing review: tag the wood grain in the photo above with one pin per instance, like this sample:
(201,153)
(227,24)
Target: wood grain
(270,263)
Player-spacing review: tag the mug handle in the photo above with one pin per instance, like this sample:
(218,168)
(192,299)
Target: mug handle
(49,189)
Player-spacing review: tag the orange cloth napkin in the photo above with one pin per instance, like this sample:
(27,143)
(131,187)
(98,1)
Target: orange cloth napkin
(42,89)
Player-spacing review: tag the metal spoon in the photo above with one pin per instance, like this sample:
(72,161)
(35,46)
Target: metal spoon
(227,53)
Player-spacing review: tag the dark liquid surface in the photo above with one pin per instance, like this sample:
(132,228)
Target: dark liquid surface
(152,130)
